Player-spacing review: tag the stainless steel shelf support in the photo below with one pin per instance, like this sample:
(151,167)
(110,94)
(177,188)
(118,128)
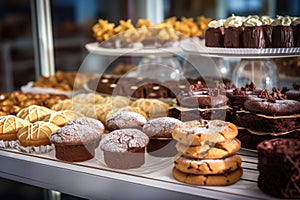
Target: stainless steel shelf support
(42,37)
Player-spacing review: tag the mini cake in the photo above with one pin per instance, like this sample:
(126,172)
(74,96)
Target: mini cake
(75,142)
(296,30)
(266,116)
(34,113)
(128,108)
(267,29)
(282,33)
(124,148)
(200,102)
(60,118)
(278,166)
(9,126)
(233,32)
(214,35)
(125,119)
(253,34)
(36,134)
(159,130)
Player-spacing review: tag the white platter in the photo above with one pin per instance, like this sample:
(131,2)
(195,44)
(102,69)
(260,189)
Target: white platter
(251,53)
(96,49)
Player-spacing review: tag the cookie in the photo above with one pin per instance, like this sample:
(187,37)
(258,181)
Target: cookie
(208,180)
(210,150)
(207,166)
(195,133)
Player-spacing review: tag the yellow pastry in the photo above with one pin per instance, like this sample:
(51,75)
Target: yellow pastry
(60,118)
(9,126)
(34,113)
(36,134)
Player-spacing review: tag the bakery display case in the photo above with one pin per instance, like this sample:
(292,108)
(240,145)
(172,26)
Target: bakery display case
(168,125)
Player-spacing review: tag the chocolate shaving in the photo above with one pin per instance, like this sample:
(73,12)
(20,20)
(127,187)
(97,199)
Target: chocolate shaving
(276,95)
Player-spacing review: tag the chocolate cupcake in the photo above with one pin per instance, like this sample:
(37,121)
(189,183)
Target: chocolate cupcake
(124,148)
(233,32)
(253,34)
(267,29)
(214,35)
(282,33)
(296,30)
(75,142)
(278,166)
(159,130)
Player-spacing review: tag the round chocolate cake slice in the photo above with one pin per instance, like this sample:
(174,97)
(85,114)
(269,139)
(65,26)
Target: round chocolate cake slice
(278,166)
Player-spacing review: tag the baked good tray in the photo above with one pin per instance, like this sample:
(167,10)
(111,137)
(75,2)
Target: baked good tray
(93,179)
(198,47)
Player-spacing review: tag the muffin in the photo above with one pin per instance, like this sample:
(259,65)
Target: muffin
(75,142)
(124,148)
(159,130)
(36,134)
(125,119)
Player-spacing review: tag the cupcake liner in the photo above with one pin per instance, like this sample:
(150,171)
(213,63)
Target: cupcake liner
(8,144)
(34,149)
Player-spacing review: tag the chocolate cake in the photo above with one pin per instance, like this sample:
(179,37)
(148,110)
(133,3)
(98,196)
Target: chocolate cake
(233,37)
(200,102)
(266,116)
(214,35)
(253,34)
(124,148)
(278,166)
(159,130)
(75,142)
(267,29)
(282,33)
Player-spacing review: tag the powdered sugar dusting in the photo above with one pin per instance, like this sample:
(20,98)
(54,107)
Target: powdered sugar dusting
(125,119)
(90,122)
(161,127)
(123,140)
(74,134)
(203,127)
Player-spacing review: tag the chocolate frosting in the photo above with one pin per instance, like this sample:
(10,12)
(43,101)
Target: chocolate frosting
(233,37)
(296,32)
(214,37)
(253,37)
(282,37)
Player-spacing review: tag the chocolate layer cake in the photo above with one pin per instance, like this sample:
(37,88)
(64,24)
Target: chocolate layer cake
(278,166)
(271,113)
(200,102)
